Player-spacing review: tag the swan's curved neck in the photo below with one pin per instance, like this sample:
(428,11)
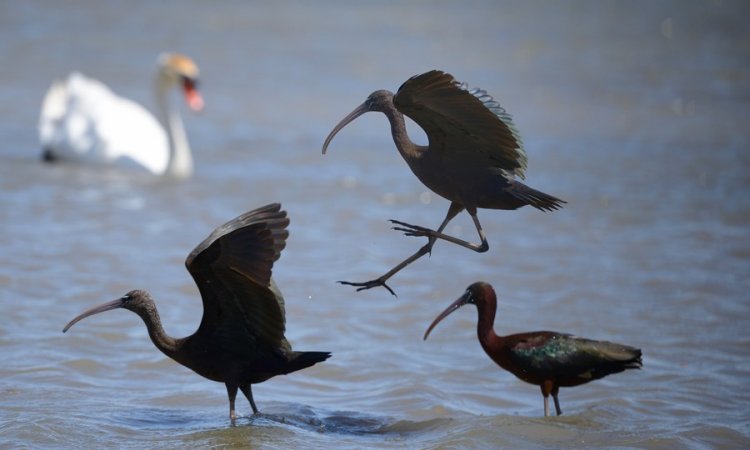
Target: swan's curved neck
(180,162)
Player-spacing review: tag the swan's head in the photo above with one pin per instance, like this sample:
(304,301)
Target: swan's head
(179,70)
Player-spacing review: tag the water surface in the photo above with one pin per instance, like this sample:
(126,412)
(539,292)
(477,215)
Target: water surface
(634,113)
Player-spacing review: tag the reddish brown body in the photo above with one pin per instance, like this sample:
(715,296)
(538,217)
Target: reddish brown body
(547,359)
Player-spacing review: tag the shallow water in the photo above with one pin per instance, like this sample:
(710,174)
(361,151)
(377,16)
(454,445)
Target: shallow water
(634,113)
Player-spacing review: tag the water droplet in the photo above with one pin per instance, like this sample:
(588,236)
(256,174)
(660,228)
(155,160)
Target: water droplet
(683,108)
(349,182)
(667,28)
(389,198)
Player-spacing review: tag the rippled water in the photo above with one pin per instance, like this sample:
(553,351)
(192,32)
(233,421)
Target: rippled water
(634,112)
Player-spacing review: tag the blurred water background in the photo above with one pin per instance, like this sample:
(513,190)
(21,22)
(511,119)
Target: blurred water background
(634,112)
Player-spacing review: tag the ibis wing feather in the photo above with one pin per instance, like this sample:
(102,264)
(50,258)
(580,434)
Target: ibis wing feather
(567,355)
(259,309)
(232,268)
(456,119)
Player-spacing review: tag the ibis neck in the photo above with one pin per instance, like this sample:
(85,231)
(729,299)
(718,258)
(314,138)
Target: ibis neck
(408,149)
(485,326)
(180,161)
(167,344)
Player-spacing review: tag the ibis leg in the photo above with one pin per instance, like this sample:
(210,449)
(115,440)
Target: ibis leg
(546,389)
(416,230)
(557,403)
(248,391)
(232,393)
(453,210)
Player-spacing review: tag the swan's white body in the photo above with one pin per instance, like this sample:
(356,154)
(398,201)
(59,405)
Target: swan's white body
(82,120)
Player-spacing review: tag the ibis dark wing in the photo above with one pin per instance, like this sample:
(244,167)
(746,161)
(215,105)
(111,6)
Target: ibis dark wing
(458,120)
(232,268)
(566,355)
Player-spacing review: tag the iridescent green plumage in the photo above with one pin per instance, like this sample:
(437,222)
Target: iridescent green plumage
(563,354)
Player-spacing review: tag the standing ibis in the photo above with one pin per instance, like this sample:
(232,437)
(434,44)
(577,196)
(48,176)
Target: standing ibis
(82,120)
(545,358)
(472,159)
(240,340)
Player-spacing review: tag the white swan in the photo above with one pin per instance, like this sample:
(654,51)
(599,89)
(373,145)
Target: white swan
(82,120)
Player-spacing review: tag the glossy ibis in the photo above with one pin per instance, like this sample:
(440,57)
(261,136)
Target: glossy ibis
(82,120)
(240,340)
(473,156)
(545,358)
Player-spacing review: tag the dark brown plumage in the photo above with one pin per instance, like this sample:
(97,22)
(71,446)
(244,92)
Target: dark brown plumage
(547,359)
(472,159)
(240,340)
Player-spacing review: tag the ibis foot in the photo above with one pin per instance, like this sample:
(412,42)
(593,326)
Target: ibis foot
(369,285)
(413,230)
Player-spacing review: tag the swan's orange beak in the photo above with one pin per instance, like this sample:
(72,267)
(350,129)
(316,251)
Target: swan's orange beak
(192,96)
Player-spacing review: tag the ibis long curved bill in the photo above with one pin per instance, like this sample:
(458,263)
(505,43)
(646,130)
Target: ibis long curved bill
(361,109)
(114,304)
(461,301)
